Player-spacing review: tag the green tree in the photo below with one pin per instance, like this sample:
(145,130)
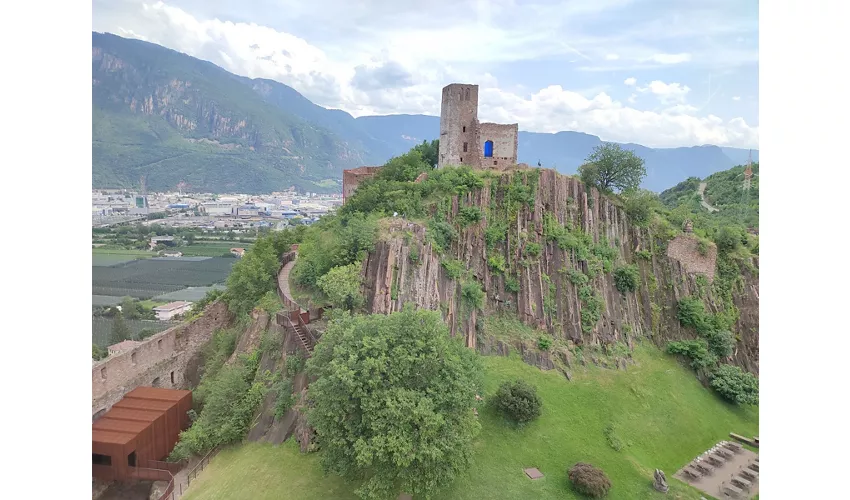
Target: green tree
(130,308)
(640,205)
(430,151)
(342,286)
(97,352)
(393,402)
(518,401)
(735,385)
(255,273)
(120,330)
(611,167)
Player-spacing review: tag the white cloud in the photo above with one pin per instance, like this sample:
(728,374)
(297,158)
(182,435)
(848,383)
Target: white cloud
(402,70)
(736,98)
(554,109)
(670,58)
(611,57)
(666,92)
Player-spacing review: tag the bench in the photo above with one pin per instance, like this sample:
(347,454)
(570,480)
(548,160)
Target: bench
(754,466)
(743,483)
(692,472)
(732,490)
(718,461)
(744,440)
(749,473)
(735,447)
(703,467)
(723,452)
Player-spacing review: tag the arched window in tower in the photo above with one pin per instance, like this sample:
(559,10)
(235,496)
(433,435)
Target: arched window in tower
(488,149)
(466,97)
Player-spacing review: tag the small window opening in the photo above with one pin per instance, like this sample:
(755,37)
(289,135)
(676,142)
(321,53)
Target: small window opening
(461,158)
(98,459)
(465,145)
(467,94)
(103,373)
(131,459)
(172,378)
(133,358)
(155,382)
(464,129)
(495,162)
(159,344)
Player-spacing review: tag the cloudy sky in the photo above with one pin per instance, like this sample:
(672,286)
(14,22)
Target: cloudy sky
(656,72)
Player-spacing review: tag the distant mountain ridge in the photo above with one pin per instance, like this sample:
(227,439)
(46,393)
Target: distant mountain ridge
(171,117)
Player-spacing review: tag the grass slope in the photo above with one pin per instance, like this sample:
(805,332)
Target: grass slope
(659,411)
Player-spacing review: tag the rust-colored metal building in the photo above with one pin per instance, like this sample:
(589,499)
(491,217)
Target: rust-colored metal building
(140,429)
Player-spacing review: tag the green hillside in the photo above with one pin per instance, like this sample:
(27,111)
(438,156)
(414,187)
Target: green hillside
(724,191)
(659,411)
(171,117)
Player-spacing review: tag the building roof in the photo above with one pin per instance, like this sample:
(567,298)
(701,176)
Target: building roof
(171,306)
(124,345)
(134,414)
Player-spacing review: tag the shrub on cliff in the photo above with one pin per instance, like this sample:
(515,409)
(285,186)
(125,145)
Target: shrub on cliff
(691,312)
(518,401)
(735,385)
(395,412)
(589,480)
(640,206)
(472,295)
(342,286)
(721,343)
(696,350)
(626,278)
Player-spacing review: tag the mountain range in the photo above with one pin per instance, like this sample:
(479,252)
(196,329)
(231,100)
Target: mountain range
(173,118)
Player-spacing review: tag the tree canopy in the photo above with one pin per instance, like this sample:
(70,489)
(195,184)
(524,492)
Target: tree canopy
(392,402)
(611,167)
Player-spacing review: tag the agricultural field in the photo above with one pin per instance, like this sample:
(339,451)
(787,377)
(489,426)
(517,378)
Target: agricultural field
(148,278)
(656,413)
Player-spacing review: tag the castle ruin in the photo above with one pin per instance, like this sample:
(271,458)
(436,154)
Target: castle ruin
(465,141)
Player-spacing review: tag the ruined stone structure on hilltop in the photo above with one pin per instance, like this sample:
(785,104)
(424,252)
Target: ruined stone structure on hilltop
(465,141)
(353,177)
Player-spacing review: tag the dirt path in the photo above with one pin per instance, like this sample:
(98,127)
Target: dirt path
(704,203)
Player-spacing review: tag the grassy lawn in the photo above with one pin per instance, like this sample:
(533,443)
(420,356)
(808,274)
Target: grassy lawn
(660,412)
(263,471)
(212,248)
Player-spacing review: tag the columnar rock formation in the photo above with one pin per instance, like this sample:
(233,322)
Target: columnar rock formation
(546,297)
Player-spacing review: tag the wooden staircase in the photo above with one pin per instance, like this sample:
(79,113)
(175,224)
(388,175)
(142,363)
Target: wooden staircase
(304,338)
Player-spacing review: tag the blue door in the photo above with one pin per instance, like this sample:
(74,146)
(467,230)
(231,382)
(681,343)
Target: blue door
(488,149)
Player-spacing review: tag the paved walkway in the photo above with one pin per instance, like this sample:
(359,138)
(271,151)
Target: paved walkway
(705,205)
(283,281)
(711,484)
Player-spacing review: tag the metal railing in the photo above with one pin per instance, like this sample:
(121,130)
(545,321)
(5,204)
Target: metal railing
(201,465)
(150,474)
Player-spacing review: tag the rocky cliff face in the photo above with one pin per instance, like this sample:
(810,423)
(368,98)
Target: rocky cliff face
(547,293)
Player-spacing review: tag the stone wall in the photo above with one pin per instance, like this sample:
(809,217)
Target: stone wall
(352,178)
(504,139)
(166,359)
(685,249)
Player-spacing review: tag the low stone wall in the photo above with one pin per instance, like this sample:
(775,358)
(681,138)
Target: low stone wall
(162,360)
(685,249)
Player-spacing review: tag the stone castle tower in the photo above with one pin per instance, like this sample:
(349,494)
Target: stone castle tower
(465,141)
